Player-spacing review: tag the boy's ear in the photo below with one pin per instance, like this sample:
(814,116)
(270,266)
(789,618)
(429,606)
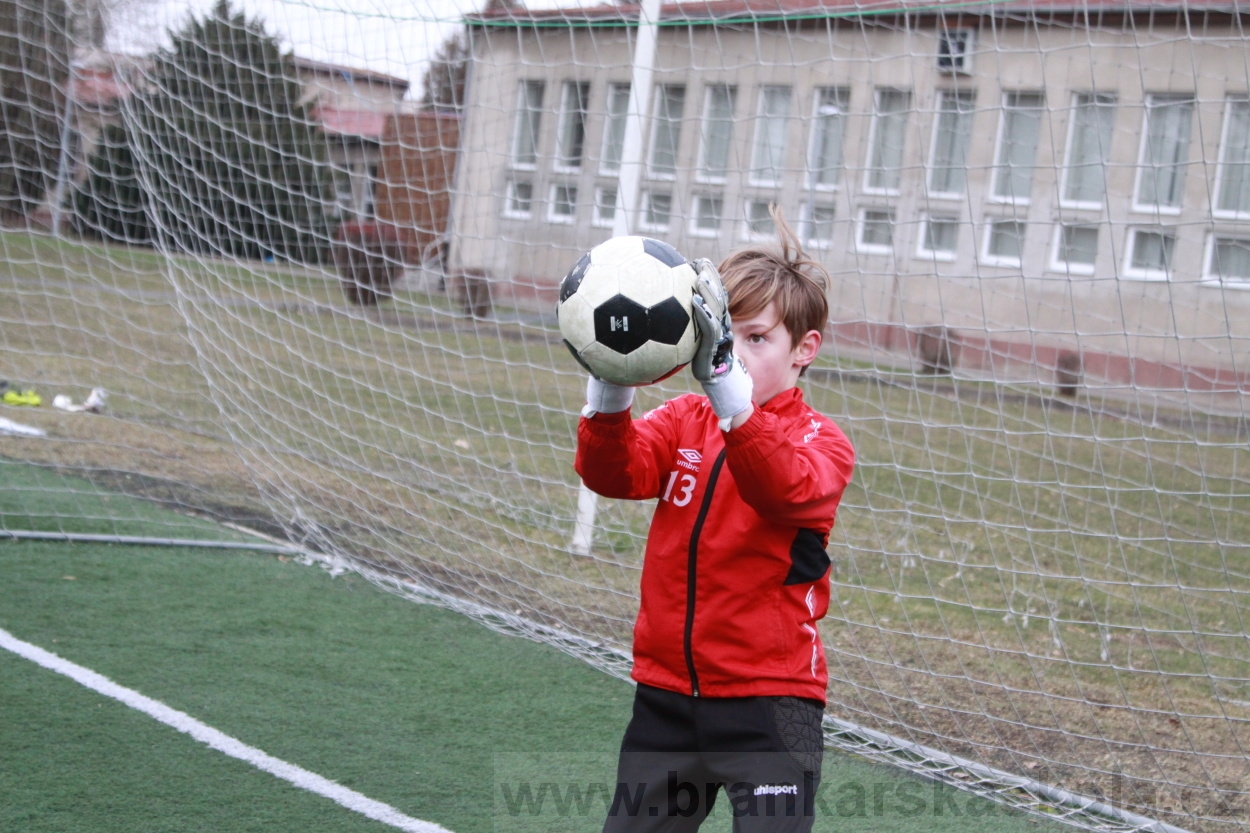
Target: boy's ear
(808,347)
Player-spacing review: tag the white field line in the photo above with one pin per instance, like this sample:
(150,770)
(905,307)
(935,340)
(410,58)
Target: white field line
(220,741)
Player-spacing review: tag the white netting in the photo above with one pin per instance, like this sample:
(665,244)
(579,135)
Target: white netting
(323,302)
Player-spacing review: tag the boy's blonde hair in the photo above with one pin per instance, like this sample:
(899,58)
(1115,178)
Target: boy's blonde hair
(755,276)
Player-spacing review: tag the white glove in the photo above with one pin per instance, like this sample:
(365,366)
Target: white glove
(606,398)
(724,378)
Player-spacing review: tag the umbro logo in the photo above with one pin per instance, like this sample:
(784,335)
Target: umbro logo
(689,459)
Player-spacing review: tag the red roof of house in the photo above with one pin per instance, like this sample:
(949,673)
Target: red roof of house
(367,124)
(712,10)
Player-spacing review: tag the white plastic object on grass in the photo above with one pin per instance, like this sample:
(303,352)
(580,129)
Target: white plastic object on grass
(94,404)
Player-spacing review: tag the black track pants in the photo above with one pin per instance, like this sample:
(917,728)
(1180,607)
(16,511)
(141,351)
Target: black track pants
(679,752)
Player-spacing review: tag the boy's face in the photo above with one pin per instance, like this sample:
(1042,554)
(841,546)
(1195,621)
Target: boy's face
(766,348)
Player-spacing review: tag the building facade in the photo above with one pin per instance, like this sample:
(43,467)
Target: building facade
(353,107)
(1038,179)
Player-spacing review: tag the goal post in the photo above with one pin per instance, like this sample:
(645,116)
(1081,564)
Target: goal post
(320,295)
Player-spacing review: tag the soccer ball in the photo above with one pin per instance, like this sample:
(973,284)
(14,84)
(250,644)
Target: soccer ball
(624,311)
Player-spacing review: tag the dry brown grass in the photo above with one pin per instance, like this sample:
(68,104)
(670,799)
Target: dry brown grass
(1057,591)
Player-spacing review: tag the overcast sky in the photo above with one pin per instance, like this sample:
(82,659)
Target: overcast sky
(396,37)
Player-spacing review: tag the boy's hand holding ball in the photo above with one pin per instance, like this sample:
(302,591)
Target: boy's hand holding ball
(724,378)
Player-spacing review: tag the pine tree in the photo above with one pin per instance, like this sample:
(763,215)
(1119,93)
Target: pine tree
(444,80)
(233,163)
(109,203)
(34,72)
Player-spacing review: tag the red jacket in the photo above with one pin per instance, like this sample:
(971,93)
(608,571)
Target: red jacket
(735,575)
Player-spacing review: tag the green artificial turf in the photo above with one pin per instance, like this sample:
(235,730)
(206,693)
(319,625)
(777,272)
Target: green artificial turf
(409,704)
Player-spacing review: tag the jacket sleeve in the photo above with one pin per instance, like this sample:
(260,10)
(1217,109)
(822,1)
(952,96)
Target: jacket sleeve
(791,480)
(620,457)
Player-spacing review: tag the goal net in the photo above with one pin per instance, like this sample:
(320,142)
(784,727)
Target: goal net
(318,288)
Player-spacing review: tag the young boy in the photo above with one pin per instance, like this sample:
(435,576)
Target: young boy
(729,664)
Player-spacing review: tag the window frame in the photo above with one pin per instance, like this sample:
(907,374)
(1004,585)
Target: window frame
(1208,256)
(955,50)
(552,215)
(748,217)
(532,112)
(1142,164)
(1001,143)
(873,165)
(807,223)
(1071,267)
(940,255)
(758,170)
(1129,270)
(614,128)
(598,219)
(573,119)
(647,209)
(1065,179)
(510,199)
(674,123)
(702,174)
(693,228)
(964,122)
(991,259)
(822,114)
(861,221)
(1221,181)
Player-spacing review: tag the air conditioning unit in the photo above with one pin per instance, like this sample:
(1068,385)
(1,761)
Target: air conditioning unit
(955,51)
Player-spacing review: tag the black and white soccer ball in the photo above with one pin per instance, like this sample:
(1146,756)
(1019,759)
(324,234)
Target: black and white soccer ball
(624,311)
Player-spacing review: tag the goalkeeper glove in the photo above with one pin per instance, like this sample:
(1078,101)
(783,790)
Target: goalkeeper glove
(606,398)
(724,378)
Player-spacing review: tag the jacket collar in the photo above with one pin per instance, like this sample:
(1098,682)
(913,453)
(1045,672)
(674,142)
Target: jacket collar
(784,402)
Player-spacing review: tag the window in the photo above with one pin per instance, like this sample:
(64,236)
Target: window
(1016,154)
(657,210)
(1149,253)
(529,111)
(816,225)
(370,179)
(1004,243)
(759,219)
(1164,152)
(718,115)
(874,232)
(572,138)
(768,153)
(614,129)
(1076,248)
(955,51)
(670,100)
(605,206)
(1089,149)
(824,157)
(708,209)
(563,203)
(518,199)
(948,166)
(1228,260)
(1234,174)
(885,153)
(938,238)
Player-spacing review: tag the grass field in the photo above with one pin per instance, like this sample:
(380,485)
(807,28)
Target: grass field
(411,705)
(1056,589)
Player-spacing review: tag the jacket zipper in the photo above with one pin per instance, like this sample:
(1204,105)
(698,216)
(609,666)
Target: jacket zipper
(690,570)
